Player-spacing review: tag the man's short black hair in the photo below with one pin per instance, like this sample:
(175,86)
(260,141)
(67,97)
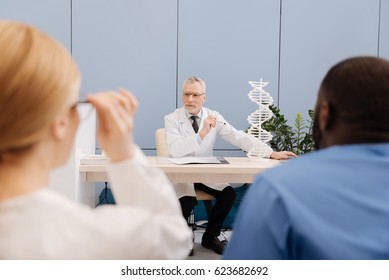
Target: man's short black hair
(357,90)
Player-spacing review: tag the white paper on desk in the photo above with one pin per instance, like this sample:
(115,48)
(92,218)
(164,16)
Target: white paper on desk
(94,160)
(190,160)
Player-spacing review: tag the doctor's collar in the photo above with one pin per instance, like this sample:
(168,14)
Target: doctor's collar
(199,115)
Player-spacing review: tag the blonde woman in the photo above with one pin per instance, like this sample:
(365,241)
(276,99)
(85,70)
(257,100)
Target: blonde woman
(39,85)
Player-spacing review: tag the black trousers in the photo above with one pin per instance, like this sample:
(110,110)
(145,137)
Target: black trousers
(224,202)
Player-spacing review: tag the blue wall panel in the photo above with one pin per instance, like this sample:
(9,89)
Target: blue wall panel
(316,35)
(130,44)
(52,17)
(384,30)
(228,43)
(151,46)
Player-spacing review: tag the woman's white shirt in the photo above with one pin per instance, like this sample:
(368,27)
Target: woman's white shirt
(146,223)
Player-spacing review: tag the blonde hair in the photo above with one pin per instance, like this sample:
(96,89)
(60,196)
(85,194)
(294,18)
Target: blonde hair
(37,76)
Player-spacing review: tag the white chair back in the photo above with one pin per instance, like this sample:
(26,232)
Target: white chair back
(160,142)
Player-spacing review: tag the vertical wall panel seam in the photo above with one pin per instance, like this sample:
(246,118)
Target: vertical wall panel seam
(279,56)
(177,23)
(71,27)
(379,27)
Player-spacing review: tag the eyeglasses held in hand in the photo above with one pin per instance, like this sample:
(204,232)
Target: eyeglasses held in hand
(84,109)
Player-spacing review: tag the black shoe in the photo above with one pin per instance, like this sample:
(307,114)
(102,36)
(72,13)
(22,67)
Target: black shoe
(213,243)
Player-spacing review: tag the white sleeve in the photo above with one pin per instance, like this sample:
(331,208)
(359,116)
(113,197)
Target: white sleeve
(259,144)
(240,138)
(134,182)
(150,211)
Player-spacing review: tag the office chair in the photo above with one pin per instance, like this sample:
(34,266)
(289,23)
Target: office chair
(162,151)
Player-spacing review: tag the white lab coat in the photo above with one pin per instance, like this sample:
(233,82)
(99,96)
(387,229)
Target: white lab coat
(146,223)
(183,141)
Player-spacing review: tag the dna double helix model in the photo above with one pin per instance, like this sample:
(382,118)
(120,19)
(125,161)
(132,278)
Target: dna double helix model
(263,99)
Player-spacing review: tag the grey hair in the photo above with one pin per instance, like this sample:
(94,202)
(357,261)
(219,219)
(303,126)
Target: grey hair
(193,79)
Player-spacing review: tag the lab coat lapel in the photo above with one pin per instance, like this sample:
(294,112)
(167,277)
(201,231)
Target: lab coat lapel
(185,122)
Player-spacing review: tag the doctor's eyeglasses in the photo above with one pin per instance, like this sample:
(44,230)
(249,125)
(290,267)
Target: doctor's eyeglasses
(195,95)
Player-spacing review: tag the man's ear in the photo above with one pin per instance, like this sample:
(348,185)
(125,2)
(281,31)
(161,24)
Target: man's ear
(59,126)
(326,116)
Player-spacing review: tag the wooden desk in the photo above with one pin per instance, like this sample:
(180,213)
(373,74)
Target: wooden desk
(240,170)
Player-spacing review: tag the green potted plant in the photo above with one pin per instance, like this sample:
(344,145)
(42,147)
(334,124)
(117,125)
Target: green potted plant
(297,138)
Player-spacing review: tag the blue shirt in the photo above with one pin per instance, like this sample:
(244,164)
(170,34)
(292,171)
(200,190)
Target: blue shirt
(330,204)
